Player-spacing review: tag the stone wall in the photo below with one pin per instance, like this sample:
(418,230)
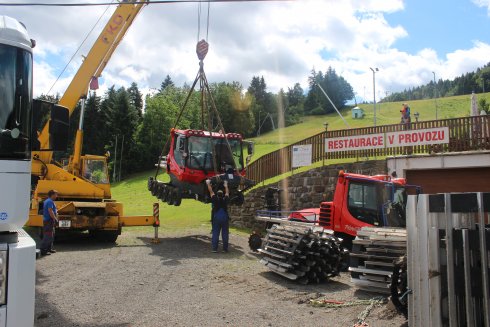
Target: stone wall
(302,190)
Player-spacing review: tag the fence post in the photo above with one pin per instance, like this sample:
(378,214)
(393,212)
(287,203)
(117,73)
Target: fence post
(484,261)
(451,296)
(412,257)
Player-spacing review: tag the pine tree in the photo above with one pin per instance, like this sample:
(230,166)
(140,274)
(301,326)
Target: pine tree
(166,83)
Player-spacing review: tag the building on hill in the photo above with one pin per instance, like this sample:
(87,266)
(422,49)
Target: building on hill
(357,113)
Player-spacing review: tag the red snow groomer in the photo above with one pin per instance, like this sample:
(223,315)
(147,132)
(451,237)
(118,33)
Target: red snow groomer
(197,155)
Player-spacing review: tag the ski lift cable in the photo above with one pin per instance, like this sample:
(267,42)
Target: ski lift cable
(331,102)
(176,123)
(78,49)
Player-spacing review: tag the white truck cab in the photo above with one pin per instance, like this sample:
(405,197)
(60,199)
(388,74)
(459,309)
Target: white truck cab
(17,248)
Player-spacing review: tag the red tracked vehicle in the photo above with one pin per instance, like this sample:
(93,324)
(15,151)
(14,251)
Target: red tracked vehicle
(197,155)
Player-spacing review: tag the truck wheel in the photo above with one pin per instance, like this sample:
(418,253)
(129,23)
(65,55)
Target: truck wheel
(170,197)
(150,183)
(177,196)
(255,242)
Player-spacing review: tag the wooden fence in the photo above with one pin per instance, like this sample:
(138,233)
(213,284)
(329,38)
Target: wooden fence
(448,251)
(465,134)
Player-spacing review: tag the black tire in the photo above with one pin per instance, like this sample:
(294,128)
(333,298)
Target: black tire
(399,285)
(177,196)
(164,194)
(154,188)
(161,190)
(170,197)
(255,242)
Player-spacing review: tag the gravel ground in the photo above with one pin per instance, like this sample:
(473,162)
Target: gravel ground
(179,282)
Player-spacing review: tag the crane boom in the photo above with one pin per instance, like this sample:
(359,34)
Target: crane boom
(97,59)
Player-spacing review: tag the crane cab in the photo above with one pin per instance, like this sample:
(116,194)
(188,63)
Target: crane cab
(94,169)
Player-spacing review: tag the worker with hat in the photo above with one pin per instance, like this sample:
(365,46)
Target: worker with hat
(219,214)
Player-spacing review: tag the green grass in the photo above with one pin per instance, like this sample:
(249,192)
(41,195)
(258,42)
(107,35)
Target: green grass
(386,113)
(137,200)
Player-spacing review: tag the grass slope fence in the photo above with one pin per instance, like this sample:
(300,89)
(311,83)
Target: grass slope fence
(448,254)
(465,134)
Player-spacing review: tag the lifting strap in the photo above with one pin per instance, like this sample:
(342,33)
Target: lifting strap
(208,108)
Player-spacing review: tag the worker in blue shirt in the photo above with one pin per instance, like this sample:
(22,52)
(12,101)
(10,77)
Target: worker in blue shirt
(220,218)
(50,218)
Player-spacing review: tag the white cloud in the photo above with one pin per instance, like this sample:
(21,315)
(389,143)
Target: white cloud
(483,3)
(282,41)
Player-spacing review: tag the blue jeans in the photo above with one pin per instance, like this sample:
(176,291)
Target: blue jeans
(48,236)
(220,225)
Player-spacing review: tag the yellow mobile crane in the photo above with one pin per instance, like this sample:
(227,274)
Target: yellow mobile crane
(84,201)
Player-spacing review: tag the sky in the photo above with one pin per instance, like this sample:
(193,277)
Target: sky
(282,41)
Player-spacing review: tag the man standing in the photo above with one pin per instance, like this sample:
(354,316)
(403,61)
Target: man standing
(220,218)
(50,218)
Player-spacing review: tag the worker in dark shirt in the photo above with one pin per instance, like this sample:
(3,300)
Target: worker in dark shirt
(50,218)
(220,218)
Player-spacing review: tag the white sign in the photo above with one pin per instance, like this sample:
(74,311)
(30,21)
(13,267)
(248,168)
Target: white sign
(301,155)
(418,137)
(388,140)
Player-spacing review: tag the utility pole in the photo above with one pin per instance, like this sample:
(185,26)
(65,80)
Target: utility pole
(374,91)
(435,92)
(115,160)
(120,160)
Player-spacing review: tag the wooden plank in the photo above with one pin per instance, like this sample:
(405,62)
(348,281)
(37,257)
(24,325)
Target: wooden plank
(412,256)
(379,263)
(434,273)
(453,319)
(370,271)
(376,278)
(372,257)
(470,319)
(396,244)
(422,223)
(484,262)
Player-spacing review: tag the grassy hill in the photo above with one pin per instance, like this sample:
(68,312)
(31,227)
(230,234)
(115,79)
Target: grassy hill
(138,201)
(386,113)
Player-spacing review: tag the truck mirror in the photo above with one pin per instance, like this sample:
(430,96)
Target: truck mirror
(59,128)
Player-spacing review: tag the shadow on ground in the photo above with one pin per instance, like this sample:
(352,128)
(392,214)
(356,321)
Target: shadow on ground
(332,285)
(67,241)
(172,250)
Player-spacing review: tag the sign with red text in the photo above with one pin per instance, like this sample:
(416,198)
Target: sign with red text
(358,142)
(438,135)
(301,155)
(418,137)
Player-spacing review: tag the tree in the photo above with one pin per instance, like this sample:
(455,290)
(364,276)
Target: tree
(337,88)
(483,105)
(263,105)
(136,98)
(234,108)
(166,83)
